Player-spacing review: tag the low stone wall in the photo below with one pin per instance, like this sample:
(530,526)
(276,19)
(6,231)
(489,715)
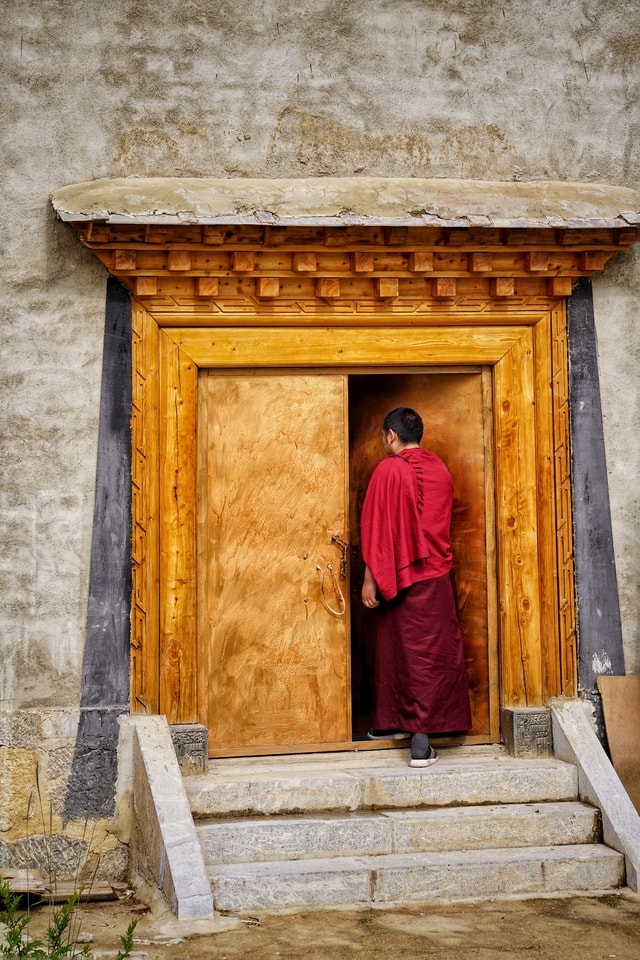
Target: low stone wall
(37,751)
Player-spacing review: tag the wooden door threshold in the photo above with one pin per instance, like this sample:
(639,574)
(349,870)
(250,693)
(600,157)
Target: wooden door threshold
(347,746)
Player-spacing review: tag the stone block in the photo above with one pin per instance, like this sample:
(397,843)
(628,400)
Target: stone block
(575,742)
(294,839)
(191,744)
(527,731)
(298,883)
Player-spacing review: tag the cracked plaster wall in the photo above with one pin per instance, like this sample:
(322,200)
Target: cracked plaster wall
(518,89)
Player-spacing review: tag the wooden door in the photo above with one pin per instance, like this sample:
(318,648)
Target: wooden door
(273,493)
(456,409)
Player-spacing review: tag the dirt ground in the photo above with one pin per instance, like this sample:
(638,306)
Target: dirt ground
(579,928)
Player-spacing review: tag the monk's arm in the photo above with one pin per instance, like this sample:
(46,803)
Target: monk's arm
(369,590)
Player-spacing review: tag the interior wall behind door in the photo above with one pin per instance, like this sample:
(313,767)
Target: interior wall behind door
(455,408)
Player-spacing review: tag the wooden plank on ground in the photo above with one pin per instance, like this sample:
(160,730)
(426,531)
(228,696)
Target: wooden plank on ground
(621,709)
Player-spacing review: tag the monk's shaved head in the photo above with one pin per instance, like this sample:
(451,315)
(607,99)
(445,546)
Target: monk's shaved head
(406,423)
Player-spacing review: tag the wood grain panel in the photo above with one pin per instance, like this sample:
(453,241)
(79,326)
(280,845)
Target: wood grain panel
(177,582)
(516,526)
(453,410)
(275,494)
(275,346)
(145,668)
(547,543)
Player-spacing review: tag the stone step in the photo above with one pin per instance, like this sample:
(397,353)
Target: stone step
(377,833)
(374,780)
(406,878)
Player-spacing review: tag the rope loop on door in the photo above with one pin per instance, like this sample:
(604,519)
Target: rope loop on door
(337,590)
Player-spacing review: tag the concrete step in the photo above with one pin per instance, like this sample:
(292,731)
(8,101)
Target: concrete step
(374,780)
(377,833)
(405,878)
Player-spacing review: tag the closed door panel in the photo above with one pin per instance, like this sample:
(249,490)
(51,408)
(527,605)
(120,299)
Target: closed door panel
(272,491)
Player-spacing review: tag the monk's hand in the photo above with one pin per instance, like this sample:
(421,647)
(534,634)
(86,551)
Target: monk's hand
(369,590)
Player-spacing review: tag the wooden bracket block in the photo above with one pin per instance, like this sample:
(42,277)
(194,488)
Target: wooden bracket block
(213,235)
(335,236)
(362,262)
(179,260)
(559,286)
(626,236)
(124,260)
(479,262)
(455,236)
(395,236)
(502,287)
(98,233)
(275,236)
(243,261)
(443,287)
(155,234)
(386,286)
(145,286)
(421,262)
(328,287)
(304,262)
(536,261)
(592,260)
(207,286)
(267,287)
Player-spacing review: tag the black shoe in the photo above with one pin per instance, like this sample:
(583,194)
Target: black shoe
(422,753)
(387,735)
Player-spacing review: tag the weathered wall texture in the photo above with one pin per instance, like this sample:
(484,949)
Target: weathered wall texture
(539,89)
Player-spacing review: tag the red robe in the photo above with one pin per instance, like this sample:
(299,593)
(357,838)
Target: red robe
(405,520)
(419,678)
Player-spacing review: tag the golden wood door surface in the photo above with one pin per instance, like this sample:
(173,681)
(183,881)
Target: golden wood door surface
(277,652)
(272,490)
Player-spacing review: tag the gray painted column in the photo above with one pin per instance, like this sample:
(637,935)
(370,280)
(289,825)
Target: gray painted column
(600,649)
(105,669)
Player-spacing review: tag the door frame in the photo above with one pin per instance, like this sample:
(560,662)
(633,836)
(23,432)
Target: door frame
(408,254)
(526,350)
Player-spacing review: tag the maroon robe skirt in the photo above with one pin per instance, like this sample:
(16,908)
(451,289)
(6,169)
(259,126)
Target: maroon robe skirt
(419,678)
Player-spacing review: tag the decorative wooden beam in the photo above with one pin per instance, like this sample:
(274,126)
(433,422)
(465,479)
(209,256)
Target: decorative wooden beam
(327,287)
(362,262)
(536,261)
(304,262)
(213,235)
(267,287)
(155,234)
(479,262)
(386,286)
(395,236)
(145,286)
(243,261)
(421,262)
(592,260)
(124,260)
(98,233)
(335,236)
(559,286)
(207,286)
(179,260)
(443,287)
(502,287)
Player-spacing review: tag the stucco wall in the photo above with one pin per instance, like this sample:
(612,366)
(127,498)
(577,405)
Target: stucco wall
(539,89)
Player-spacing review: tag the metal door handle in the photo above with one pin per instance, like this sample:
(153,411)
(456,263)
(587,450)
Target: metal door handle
(337,590)
(344,547)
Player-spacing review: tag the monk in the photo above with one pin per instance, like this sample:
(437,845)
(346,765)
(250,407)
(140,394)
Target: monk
(419,680)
